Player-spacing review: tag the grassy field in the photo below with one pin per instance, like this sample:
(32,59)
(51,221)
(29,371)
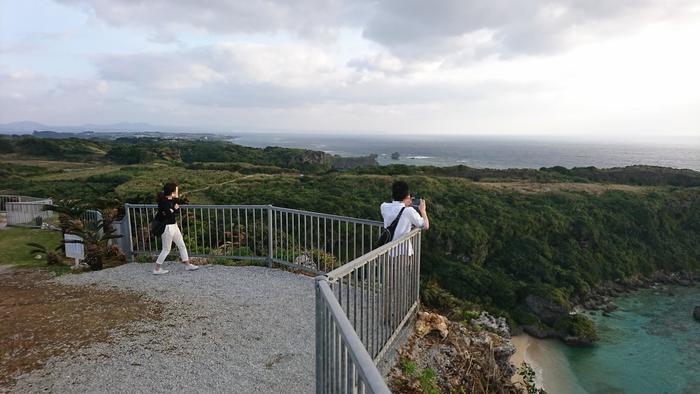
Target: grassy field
(15,252)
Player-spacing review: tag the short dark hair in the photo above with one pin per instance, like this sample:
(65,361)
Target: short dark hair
(399,190)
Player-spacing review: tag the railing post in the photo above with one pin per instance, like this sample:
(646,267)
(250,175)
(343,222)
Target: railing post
(320,342)
(130,247)
(269,236)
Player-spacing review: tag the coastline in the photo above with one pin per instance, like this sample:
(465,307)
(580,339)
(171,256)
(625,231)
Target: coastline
(552,370)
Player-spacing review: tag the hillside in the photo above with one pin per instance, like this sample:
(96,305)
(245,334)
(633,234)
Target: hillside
(508,241)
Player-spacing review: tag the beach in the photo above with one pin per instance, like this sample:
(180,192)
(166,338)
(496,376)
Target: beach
(552,369)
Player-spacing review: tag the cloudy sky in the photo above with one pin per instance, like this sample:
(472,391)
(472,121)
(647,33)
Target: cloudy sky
(618,68)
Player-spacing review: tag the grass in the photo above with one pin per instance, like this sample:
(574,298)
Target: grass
(15,252)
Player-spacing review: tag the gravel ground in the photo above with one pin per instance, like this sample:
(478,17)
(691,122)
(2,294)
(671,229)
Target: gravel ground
(225,329)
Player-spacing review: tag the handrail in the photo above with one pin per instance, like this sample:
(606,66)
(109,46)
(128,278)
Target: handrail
(278,209)
(362,260)
(362,361)
(328,216)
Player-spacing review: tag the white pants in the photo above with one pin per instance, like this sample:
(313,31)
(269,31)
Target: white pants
(172,234)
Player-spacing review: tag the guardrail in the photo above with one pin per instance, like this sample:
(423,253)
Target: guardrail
(361,307)
(28,214)
(310,241)
(364,296)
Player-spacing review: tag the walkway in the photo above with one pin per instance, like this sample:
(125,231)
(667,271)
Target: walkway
(225,329)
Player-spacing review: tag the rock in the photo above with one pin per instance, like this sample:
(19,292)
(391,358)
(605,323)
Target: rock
(539,331)
(305,260)
(428,322)
(696,313)
(578,341)
(609,308)
(501,354)
(496,325)
(545,310)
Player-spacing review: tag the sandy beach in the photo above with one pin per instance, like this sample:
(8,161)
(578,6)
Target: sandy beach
(546,359)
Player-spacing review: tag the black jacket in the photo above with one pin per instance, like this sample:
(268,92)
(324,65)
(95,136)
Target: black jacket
(167,211)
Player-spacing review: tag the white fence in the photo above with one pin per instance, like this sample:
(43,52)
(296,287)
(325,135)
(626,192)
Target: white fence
(28,214)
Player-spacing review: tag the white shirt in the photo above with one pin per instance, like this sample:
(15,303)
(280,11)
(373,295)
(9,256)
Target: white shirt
(409,218)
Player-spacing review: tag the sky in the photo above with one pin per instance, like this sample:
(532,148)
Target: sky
(623,69)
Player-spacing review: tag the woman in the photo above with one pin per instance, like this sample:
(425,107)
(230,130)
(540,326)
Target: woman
(168,207)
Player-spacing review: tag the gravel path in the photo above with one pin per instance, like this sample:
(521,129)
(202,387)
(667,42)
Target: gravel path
(225,329)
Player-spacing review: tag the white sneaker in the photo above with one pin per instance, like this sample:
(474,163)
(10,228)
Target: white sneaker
(191,267)
(160,272)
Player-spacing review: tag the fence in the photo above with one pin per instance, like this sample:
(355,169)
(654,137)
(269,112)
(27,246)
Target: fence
(5,198)
(28,214)
(310,241)
(360,309)
(364,296)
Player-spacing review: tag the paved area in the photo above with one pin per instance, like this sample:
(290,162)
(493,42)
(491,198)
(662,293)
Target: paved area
(225,329)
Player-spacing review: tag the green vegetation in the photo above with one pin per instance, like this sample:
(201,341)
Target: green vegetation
(14,251)
(528,375)
(549,232)
(577,325)
(426,378)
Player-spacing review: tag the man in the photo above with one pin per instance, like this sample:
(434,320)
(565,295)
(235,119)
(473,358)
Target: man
(409,217)
(400,259)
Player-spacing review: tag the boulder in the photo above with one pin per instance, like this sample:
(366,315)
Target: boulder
(545,310)
(428,322)
(489,323)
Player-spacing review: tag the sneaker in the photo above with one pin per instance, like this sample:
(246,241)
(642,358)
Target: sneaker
(191,267)
(160,272)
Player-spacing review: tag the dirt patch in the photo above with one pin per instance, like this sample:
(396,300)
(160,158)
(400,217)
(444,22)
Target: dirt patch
(41,319)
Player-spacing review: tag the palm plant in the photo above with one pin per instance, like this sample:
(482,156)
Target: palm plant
(52,258)
(93,235)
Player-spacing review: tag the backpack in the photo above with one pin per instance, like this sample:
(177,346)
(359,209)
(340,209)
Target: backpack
(387,233)
(157,226)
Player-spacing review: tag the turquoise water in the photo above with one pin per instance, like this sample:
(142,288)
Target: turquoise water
(650,345)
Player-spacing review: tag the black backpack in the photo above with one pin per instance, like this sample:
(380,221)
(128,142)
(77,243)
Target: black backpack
(387,233)
(157,226)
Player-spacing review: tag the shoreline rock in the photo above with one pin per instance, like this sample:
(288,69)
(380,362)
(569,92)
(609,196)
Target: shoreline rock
(600,297)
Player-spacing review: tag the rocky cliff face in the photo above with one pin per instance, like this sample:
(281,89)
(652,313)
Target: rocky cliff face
(448,356)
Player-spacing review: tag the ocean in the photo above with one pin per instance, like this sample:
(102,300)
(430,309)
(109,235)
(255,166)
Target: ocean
(650,345)
(488,152)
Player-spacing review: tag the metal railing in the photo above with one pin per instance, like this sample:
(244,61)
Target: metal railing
(28,214)
(5,198)
(310,241)
(364,296)
(361,307)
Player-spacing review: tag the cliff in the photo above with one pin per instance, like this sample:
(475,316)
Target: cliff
(452,357)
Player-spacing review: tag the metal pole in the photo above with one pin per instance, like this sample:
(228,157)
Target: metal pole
(130,250)
(269,236)
(321,344)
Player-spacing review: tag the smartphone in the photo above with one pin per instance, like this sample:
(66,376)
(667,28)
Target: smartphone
(415,202)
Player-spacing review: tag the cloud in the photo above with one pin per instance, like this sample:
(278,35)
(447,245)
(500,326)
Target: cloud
(419,29)
(303,17)
(274,76)
(409,29)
